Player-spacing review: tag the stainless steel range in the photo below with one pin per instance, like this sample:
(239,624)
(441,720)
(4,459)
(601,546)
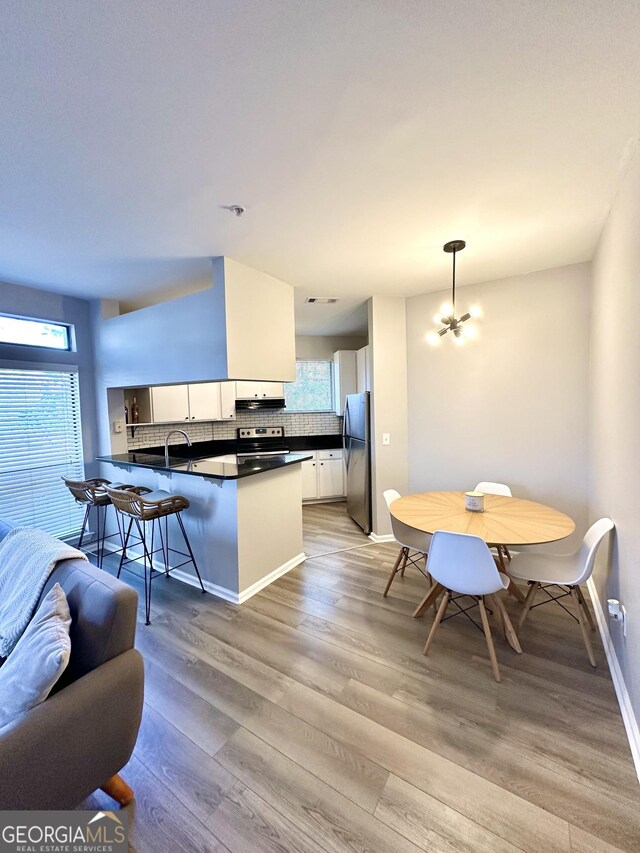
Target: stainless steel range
(261,441)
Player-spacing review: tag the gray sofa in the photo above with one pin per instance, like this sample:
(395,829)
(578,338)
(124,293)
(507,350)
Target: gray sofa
(84,733)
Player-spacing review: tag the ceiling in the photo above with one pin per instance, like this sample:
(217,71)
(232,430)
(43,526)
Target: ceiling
(359,135)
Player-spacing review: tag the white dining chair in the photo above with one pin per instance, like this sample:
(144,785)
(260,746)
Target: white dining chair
(566,572)
(464,566)
(414,544)
(489,488)
(494,489)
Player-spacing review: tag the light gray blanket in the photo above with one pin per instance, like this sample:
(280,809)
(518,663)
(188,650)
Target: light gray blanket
(27,558)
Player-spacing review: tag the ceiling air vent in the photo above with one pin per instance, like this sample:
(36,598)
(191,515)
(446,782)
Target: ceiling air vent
(321,300)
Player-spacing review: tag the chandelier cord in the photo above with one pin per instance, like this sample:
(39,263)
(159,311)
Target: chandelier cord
(453,288)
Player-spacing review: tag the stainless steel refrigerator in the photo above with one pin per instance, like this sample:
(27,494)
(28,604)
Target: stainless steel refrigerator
(357,454)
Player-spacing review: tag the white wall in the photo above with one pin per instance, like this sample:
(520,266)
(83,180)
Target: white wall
(614,487)
(510,406)
(324,346)
(387,339)
(242,327)
(260,325)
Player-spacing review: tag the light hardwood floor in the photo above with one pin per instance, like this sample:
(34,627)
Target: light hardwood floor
(308,720)
(328,528)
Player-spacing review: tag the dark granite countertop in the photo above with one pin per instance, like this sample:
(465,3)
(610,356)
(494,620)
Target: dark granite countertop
(209,466)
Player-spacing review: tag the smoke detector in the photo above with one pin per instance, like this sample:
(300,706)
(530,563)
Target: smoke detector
(322,300)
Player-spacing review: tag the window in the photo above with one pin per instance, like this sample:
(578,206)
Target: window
(40,442)
(313,389)
(34,333)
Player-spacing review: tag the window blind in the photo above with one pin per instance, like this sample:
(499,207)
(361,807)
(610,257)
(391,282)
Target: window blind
(40,442)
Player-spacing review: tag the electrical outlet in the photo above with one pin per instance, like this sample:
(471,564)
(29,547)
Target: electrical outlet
(618,613)
(118,426)
(386,438)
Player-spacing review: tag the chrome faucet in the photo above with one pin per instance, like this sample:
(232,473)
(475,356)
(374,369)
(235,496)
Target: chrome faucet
(166,444)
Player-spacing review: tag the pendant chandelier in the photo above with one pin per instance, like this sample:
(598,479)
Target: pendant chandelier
(447,314)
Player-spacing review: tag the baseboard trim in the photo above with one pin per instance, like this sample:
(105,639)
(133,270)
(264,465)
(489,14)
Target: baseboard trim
(624,700)
(219,591)
(245,594)
(385,537)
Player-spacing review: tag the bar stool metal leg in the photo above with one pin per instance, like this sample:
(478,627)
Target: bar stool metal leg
(123,556)
(188,544)
(85,522)
(147,571)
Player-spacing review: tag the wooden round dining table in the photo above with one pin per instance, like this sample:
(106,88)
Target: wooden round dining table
(506,521)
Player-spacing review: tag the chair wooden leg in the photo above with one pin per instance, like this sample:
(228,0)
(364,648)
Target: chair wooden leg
(431,582)
(428,600)
(585,607)
(514,590)
(439,616)
(487,634)
(531,594)
(507,554)
(509,633)
(501,558)
(394,570)
(403,565)
(118,789)
(583,626)
(497,613)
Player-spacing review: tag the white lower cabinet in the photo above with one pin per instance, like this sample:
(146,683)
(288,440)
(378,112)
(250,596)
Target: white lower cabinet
(309,480)
(330,483)
(323,475)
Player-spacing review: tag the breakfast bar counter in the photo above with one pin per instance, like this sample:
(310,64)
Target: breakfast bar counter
(245,516)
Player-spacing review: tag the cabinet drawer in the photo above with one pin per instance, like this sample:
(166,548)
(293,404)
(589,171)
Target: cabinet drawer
(329,454)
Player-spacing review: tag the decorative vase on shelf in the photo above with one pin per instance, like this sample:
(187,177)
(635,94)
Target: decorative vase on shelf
(135,412)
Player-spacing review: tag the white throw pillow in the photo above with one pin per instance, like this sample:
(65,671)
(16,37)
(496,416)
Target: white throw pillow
(38,659)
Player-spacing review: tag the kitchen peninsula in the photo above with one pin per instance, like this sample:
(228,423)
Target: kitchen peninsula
(245,518)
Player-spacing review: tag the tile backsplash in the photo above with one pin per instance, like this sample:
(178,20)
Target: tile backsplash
(302,423)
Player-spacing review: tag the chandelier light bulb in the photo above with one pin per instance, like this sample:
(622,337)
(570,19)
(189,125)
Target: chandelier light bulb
(470,332)
(433,338)
(437,319)
(475,311)
(458,339)
(446,310)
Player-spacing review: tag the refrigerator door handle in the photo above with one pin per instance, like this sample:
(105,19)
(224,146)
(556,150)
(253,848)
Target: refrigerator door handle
(345,446)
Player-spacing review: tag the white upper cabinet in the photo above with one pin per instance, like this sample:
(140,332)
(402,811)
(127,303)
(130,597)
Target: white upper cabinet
(227,401)
(344,377)
(204,401)
(259,390)
(169,403)
(363,369)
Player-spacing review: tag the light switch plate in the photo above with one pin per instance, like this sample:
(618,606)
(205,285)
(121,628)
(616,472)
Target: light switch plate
(386,438)
(118,426)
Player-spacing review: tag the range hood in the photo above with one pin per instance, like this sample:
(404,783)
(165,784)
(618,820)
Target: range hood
(262,404)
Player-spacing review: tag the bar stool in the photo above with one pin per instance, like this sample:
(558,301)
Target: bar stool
(92,494)
(143,506)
